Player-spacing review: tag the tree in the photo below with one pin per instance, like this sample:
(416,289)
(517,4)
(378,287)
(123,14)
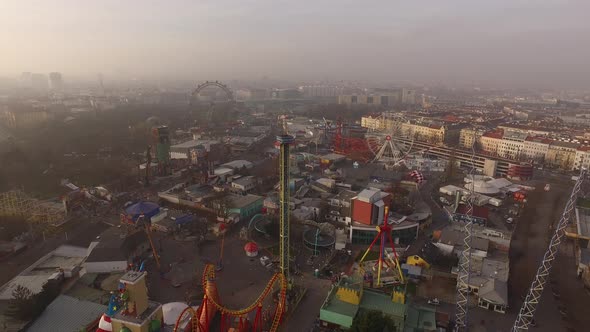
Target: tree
(21,305)
(49,292)
(26,306)
(372,320)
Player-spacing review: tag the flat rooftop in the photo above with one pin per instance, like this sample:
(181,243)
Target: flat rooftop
(335,305)
(382,302)
(240,201)
(132,277)
(583,217)
(193,143)
(137,320)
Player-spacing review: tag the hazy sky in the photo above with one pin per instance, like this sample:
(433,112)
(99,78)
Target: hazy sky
(516,42)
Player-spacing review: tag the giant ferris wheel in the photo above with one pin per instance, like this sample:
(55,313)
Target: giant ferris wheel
(383,140)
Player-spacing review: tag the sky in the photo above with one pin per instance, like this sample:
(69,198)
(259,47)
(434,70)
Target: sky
(514,43)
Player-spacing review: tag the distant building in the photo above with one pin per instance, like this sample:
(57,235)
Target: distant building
(394,98)
(25,80)
(24,119)
(525,129)
(432,132)
(285,94)
(55,81)
(197,151)
(39,82)
(310,91)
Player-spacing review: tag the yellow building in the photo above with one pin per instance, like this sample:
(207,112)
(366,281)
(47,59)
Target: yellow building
(562,154)
(138,313)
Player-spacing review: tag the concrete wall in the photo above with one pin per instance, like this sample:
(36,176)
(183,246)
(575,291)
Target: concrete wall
(105,267)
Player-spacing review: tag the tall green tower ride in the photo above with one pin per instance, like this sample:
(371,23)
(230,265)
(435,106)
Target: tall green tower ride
(284,141)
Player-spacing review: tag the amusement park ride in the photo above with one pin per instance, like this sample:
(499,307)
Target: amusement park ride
(379,145)
(385,260)
(253,317)
(142,223)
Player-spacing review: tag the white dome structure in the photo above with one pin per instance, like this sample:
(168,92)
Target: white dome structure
(171,311)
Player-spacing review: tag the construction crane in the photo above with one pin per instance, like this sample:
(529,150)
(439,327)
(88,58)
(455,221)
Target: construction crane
(529,306)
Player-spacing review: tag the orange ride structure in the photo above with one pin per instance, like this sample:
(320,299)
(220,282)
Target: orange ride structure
(201,318)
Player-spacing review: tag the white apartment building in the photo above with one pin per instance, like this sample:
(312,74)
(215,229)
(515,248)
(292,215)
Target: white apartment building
(535,148)
(582,158)
(467,137)
(373,123)
(524,129)
(514,145)
(490,142)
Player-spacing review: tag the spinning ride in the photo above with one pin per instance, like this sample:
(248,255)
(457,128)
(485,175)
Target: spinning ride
(386,260)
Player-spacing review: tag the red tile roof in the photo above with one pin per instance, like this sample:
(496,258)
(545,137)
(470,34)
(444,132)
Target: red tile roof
(498,133)
(478,211)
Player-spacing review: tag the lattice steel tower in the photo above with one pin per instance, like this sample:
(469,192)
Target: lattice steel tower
(529,306)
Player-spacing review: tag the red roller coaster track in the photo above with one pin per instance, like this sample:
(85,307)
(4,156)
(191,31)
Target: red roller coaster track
(200,318)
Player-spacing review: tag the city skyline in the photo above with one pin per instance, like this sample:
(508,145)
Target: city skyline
(501,43)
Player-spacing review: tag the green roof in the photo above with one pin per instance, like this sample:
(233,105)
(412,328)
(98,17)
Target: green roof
(420,319)
(382,302)
(336,311)
(343,313)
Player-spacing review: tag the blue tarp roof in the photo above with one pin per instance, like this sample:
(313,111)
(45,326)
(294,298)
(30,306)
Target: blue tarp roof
(148,209)
(184,219)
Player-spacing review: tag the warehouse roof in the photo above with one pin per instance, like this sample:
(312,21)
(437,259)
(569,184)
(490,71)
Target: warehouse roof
(66,313)
(495,291)
(34,283)
(237,164)
(239,201)
(193,144)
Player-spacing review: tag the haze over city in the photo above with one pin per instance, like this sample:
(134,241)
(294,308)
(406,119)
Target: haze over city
(513,43)
(314,166)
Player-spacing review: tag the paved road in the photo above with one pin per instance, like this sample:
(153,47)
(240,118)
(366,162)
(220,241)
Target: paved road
(304,316)
(528,246)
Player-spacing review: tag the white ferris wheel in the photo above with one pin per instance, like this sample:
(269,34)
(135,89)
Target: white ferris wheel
(383,143)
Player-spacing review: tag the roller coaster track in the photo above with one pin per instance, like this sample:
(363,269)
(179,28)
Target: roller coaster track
(209,274)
